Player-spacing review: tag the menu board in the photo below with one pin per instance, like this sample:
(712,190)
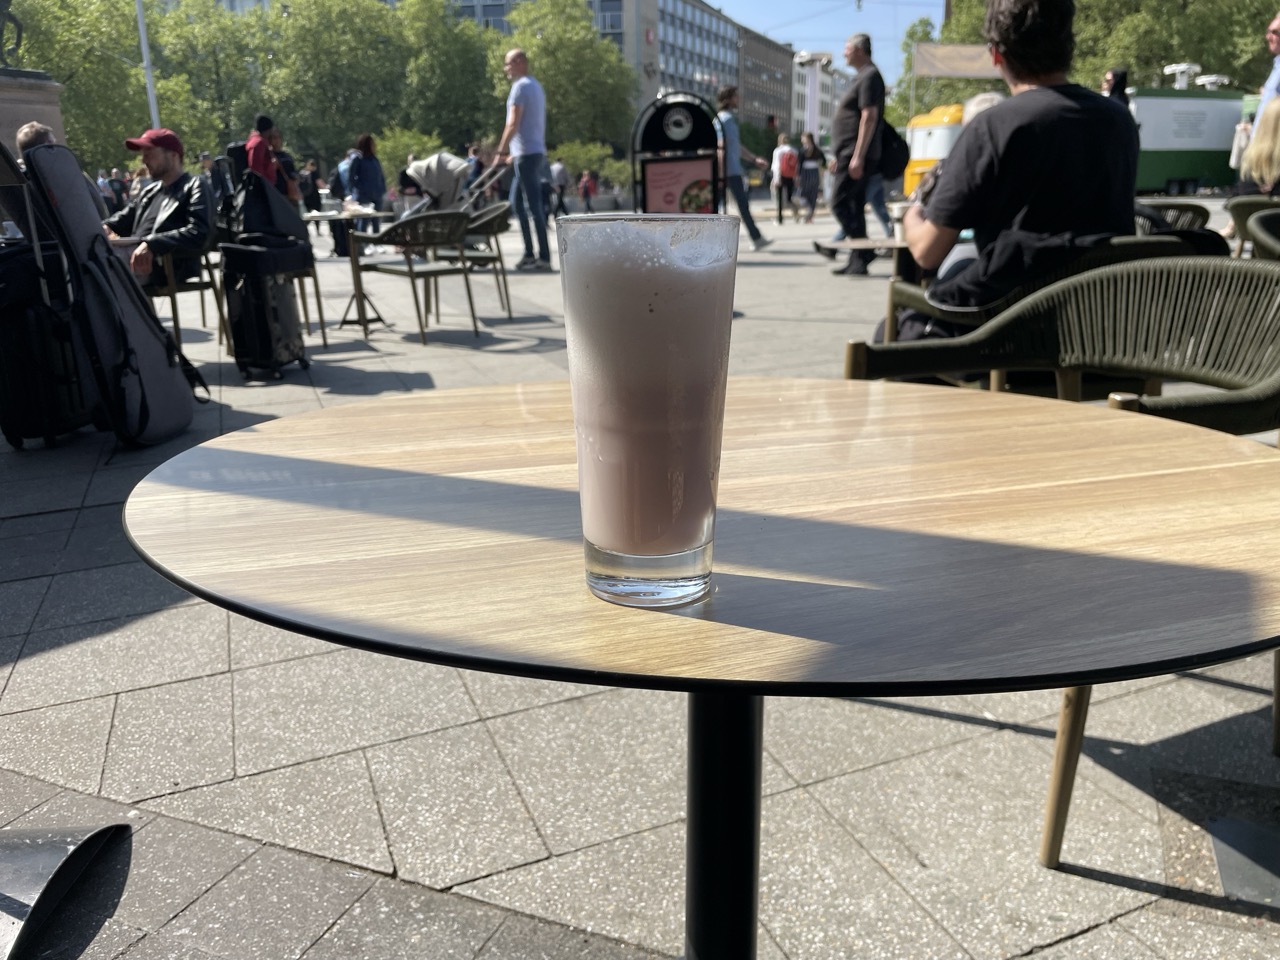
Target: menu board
(682,185)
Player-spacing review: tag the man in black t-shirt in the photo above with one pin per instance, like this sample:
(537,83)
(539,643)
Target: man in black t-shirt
(1053,159)
(855,138)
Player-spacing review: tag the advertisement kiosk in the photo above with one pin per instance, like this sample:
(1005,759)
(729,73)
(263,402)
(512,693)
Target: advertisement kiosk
(673,156)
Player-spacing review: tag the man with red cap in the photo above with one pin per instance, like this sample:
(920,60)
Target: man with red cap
(173,214)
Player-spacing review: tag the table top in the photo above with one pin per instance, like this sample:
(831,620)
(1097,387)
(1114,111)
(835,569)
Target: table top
(317,216)
(872,539)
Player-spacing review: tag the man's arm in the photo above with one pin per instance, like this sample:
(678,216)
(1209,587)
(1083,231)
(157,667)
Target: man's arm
(508,132)
(868,119)
(928,242)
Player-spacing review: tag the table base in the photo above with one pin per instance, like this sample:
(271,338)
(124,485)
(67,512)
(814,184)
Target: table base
(722,857)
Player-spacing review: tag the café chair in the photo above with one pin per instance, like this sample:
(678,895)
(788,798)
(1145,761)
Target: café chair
(1212,321)
(1173,215)
(483,248)
(1241,209)
(1264,228)
(418,238)
(206,279)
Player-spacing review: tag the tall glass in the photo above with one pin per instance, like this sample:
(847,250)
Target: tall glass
(648,301)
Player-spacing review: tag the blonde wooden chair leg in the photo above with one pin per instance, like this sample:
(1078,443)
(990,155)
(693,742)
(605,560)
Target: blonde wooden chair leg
(1070,384)
(315,286)
(302,299)
(1066,757)
(466,279)
(999,378)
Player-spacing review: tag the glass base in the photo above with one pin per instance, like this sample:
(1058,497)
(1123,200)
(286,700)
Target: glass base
(665,581)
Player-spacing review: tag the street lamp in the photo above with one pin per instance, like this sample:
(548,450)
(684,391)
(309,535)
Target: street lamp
(146,67)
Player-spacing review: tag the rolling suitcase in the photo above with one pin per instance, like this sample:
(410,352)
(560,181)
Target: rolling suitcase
(144,386)
(41,392)
(262,307)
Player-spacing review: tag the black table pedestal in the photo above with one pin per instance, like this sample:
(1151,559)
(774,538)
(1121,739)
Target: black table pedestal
(722,872)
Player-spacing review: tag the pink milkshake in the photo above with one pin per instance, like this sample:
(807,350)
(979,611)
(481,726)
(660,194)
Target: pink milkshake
(648,302)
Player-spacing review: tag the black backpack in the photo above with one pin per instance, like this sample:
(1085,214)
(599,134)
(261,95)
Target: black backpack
(894,152)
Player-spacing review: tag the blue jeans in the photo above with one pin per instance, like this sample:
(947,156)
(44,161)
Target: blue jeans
(526,197)
(875,197)
(739,190)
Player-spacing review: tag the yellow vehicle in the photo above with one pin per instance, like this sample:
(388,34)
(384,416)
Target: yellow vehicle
(931,137)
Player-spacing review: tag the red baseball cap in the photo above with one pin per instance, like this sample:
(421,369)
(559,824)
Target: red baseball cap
(163,138)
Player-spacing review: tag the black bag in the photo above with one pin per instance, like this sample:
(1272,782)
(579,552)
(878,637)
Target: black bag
(262,307)
(894,152)
(41,392)
(261,208)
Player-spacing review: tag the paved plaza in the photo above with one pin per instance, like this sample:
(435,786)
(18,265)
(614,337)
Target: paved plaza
(290,798)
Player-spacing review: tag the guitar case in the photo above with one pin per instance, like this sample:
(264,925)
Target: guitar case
(145,386)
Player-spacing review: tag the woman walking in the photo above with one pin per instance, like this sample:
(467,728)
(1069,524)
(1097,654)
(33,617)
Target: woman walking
(368,185)
(812,162)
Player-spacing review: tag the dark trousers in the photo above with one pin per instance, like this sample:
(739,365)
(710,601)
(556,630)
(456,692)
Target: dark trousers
(738,190)
(560,208)
(848,206)
(786,193)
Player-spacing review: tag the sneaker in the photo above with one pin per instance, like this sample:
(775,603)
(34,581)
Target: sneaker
(526,263)
(539,266)
(761,244)
(825,251)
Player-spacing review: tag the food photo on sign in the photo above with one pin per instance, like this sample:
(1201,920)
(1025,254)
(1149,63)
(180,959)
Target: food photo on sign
(679,186)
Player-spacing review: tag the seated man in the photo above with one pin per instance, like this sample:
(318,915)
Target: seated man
(173,214)
(1053,161)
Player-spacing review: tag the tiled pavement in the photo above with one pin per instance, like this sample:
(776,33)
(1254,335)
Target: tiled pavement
(290,798)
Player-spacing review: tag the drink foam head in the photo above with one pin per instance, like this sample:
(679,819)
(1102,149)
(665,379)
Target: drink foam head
(648,243)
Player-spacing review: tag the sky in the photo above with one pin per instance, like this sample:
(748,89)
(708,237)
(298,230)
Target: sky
(825,24)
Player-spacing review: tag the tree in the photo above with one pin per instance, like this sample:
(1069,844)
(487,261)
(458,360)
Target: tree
(447,85)
(589,87)
(333,69)
(206,58)
(91,48)
(395,144)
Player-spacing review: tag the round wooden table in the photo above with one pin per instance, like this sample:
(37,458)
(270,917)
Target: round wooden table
(873,539)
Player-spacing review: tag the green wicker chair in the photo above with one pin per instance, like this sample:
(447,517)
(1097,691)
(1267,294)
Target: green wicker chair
(483,249)
(1179,216)
(417,237)
(1116,250)
(1264,227)
(1241,209)
(1208,320)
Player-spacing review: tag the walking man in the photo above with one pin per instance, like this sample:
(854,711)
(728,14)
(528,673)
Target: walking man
(855,133)
(523,146)
(732,153)
(560,183)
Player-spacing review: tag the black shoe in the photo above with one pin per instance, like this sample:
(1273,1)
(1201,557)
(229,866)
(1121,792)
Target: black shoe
(856,267)
(825,251)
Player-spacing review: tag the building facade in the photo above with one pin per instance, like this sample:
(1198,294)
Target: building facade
(818,87)
(764,81)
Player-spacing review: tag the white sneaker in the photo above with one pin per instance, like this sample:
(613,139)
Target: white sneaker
(526,263)
(761,244)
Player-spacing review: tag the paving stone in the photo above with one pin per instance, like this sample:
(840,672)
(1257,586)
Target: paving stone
(61,491)
(72,809)
(496,694)
(967,853)
(32,555)
(525,938)
(819,737)
(10,647)
(451,810)
(822,897)
(163,945)
(19,602)
(38,523)
(400,921)
(92,659)
(254,643)
(276,904)
(1104,943)
(71,935)
(1172,938)
(64,744)
(1245,684)
(19,794)
(317,706)
(629,889)
(170,738)
(96,545)
(105,593)
(326,807)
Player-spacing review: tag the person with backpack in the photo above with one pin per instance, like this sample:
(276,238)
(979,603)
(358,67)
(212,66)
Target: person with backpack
(785,167)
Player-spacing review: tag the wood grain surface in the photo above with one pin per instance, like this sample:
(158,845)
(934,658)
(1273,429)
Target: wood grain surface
(872,539)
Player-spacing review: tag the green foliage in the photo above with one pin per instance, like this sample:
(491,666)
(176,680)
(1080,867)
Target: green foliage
(617,172)
(757,139)
(447,86)
(395,144)
(933,92)
(579,156)
(590,88)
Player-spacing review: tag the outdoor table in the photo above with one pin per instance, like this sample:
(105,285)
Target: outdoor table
(347,217)
(873,539)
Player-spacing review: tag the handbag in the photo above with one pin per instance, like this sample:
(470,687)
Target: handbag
(261,208)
